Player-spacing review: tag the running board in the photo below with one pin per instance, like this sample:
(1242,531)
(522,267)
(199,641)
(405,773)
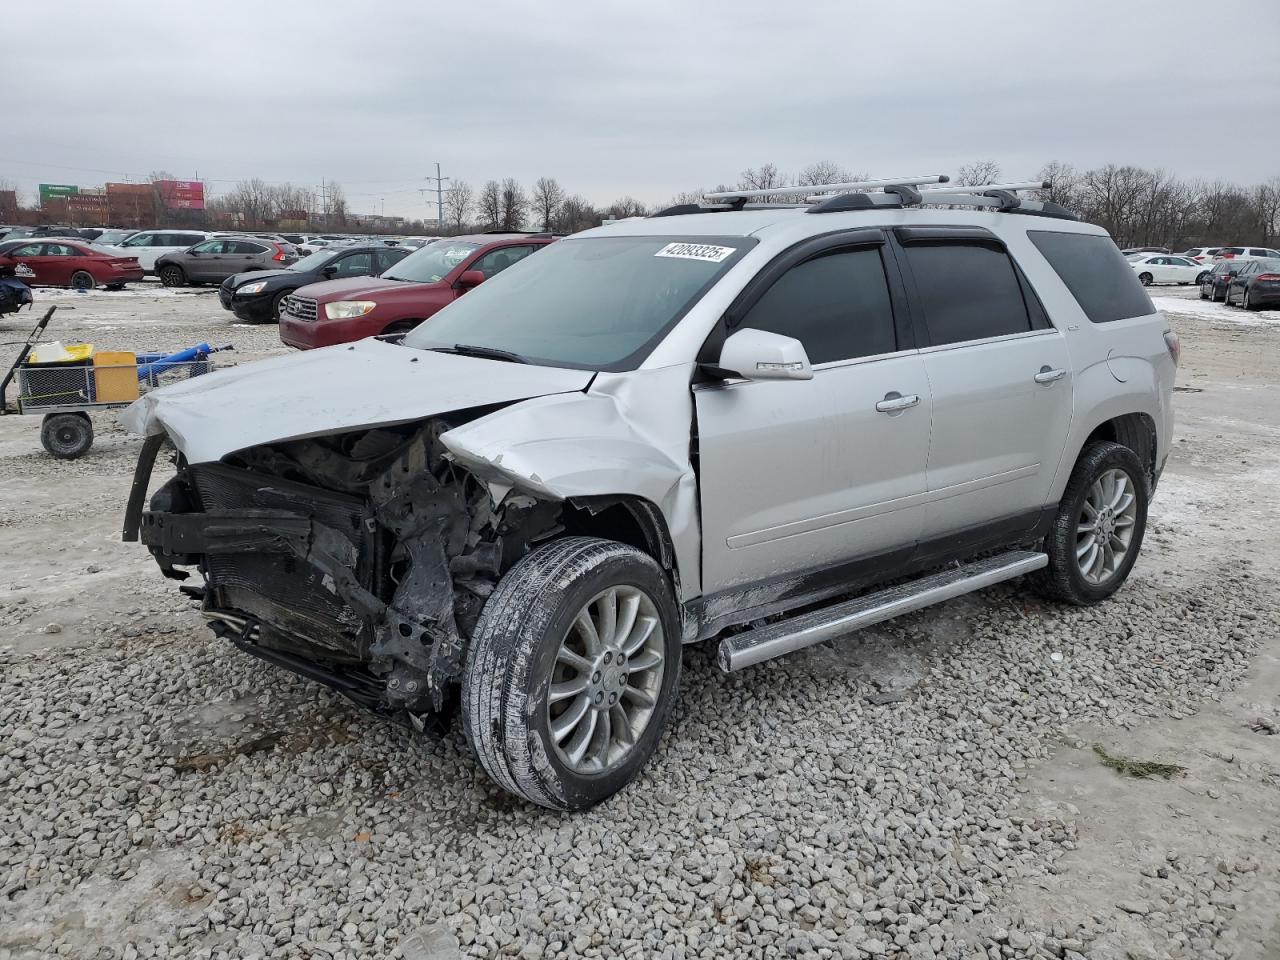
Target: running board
(786,636)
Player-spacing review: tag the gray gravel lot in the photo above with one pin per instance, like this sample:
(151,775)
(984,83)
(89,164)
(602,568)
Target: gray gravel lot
(927,788)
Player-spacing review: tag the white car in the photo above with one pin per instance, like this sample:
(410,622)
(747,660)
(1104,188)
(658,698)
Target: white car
(1166,268)
(1201,254)
(1246,253)
(149,245)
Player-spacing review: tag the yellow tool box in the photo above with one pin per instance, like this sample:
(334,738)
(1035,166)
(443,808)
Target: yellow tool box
(115,376)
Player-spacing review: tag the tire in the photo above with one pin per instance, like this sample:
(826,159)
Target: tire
(173,276)
(67,435)
(1213,294)
(400,326)
(277,305)
(1201,278)
(1064,578)
(528,636)
(83,280)
(1145,279)
(115,287)
(1244,300)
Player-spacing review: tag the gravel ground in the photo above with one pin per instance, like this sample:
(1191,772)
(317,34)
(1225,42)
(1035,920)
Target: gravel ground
(926,788)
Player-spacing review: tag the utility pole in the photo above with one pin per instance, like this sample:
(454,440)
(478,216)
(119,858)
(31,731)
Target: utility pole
(438,190)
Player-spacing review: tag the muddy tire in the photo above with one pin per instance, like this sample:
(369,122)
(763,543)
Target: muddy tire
(67,435)
(172,276)
(564,701)
(1097,532)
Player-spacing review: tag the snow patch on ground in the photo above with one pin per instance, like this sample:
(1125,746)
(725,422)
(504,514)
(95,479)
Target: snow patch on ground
(1208,310)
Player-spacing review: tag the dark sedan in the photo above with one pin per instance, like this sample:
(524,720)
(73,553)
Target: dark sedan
(1214,286)
(1256,284)
(258,296)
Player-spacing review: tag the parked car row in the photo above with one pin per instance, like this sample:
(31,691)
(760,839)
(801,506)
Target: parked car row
(1252,284)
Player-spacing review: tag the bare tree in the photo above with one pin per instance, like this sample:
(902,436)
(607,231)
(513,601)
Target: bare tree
(687,197)
(762,178)
(825,171)
(458,202)
(625,207)
(1265,201)
(577,214)
(515,205)
(490,205)
(547,197)
(979,173)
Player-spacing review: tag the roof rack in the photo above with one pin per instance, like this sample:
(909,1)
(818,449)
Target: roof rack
(890,193)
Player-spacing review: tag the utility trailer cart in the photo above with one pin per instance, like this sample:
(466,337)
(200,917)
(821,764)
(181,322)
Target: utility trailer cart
(64,393)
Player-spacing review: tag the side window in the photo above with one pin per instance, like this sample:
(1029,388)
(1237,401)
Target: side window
(209,246)
(389,258)
(1096,273)
(355,265)
(494,262)
(969,291)
(836,304)
(244,246)
(60,250)
(30,250)
(141,240)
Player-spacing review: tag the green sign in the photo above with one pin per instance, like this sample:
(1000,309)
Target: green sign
(54,191)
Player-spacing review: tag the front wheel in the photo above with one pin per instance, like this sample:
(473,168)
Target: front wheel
(1098,530)
(172,276)
(1201,278)
(67,435)
(572,671)
(1145,279)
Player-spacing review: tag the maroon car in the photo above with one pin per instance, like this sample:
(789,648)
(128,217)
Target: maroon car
(339,311)
(70,263)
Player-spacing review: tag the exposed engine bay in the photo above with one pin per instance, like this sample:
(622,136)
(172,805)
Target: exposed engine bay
(361,559)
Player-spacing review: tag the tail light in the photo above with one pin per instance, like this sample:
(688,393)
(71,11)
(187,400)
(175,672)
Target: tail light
(1174,344)
(279,253)
(1267,276)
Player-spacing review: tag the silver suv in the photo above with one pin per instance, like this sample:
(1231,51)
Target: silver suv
(719,421)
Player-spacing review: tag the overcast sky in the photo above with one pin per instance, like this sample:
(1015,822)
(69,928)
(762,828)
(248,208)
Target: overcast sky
(641,98)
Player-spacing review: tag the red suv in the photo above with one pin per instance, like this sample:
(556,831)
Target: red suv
(339,311)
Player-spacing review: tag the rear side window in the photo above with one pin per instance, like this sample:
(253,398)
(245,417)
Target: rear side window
(836,304)
(969,291)
(244,246)
(1096,273)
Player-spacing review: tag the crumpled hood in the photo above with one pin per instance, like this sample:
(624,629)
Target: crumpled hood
(366,384)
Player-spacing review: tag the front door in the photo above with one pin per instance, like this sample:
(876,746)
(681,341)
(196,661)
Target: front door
(205,262)
(1001,380)
(798,475)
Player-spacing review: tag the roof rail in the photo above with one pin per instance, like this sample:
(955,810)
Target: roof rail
(850,187)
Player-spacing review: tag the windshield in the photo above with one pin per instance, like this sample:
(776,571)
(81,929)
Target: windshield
(598,303)
(312,261)
(431,263)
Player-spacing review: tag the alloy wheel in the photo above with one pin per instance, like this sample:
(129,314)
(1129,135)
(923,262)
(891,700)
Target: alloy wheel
(606,680)
(1104,530)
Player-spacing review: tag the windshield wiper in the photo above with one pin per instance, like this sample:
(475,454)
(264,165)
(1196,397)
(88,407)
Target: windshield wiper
(487,353)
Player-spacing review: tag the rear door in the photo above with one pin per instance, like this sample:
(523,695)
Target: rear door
(241,255)
(1000,377)
(799,475)
(61,261)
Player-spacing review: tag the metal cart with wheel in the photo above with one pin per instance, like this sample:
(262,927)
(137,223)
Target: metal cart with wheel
(65,393)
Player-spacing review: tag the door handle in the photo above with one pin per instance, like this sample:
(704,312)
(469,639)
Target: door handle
(1047,375)
(894,402)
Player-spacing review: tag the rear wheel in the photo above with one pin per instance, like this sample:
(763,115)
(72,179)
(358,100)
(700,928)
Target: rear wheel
(1145,279)
(83,280)
(572,671)
(1244,300)
(173,276)
(67,435)
(1098,530)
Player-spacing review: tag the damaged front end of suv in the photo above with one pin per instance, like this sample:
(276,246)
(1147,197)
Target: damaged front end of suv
(361,560)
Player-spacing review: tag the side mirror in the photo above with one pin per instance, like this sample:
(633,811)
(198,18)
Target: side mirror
(471,278)
(193,252)
(760,355)
(330,271)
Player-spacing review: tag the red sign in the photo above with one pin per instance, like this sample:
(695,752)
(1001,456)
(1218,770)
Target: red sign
(181,194)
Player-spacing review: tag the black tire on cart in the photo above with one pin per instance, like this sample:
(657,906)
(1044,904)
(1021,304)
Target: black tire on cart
(572,672)
(1098,530)
(67,435)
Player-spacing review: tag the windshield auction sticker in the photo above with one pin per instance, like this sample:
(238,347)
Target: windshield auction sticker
(695,251)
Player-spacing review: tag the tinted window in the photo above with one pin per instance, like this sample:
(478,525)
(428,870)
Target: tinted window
(836,304)
(60,250)
(969,291)
(210,246)
(495,261)
(356,265)
(140,240)
(388,258)
(244,246)
(1096,274)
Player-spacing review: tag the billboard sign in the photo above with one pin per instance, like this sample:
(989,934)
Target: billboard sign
(55,191)
(181,194)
